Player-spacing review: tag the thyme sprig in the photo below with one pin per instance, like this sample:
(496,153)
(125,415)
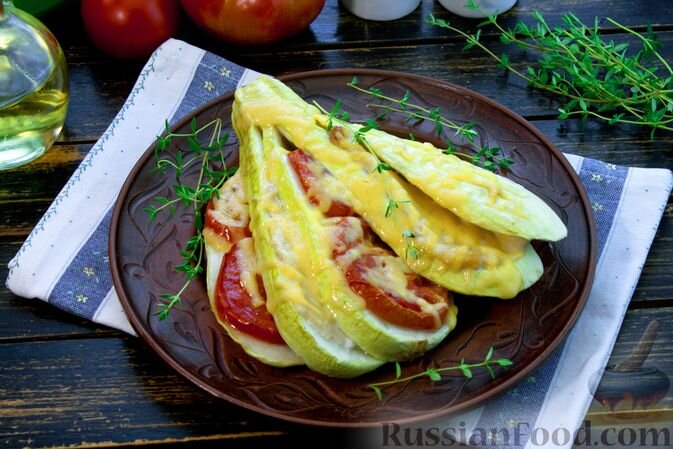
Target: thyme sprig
(485,157)
(598,78)
(336,115)
(416,112)
(435,374)
(411,250)
(213,172)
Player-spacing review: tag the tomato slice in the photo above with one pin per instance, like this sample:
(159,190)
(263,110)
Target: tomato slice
(305,167)
(227,214)
(349,233)
(235,304)
(390,306)
(232,234)
(356,252)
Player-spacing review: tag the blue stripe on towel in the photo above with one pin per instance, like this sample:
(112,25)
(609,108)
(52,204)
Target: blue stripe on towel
(604,184)
(86,281)
(517,410)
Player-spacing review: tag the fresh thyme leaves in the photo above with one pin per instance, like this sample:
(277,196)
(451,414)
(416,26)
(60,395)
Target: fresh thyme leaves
(410,250)
(435,374)
(210,179)
(393,204)
(336,113)
(415,112)
(598,78)
(486,157)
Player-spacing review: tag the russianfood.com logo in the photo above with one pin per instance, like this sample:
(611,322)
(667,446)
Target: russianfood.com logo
(394,435)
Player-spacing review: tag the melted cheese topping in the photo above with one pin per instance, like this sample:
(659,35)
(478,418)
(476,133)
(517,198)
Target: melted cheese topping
(328,189)
(249,271)
(389,274)
(216,241)
(454,253)
(229,208)
(283,218)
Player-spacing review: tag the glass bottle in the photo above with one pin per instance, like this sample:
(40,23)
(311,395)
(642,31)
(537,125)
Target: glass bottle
(33,87)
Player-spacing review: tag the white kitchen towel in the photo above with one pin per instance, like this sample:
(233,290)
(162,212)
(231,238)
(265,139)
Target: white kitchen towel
(65,262)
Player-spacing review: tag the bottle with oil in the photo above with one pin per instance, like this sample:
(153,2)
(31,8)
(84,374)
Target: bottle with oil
(33,87)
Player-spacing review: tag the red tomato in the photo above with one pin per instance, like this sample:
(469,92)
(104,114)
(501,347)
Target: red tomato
(130,28)
(343,239)
(391,307)
(234,303)
(304,167)
(253,22)
(231,233)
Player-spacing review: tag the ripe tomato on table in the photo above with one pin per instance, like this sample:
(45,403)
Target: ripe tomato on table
(130,28)
(253,22)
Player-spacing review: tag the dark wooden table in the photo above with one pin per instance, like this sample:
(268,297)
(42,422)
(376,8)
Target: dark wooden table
(65,382)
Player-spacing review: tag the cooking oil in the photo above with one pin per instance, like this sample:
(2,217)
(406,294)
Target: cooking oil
(33,87)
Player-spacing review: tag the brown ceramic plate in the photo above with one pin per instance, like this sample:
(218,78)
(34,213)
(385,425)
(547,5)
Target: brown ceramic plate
(525,329)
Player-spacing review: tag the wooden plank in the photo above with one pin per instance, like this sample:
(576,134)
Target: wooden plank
(26,192)
(108,391)
(114,391)
(99,90)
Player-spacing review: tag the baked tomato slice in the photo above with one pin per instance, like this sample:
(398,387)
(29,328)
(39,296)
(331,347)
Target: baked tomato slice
(227,216)
(240,297)
(404,298)
(312,176)
(389,288)
(387,285)
(229,232)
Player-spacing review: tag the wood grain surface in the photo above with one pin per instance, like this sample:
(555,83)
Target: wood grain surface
(65,382)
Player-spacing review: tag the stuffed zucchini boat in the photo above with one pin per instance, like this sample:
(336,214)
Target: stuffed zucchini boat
(453,252)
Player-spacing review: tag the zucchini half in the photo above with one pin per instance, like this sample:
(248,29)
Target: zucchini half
(454,253)
(291,254)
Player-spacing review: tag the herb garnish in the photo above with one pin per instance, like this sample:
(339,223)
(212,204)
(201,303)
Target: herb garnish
(486,157)
(210,179)
(435,373)
(411,249)
(415,112)
(596,77)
